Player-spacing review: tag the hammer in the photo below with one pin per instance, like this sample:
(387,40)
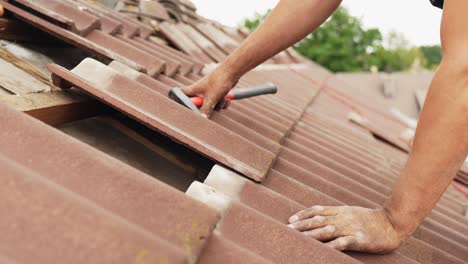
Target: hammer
(194,103)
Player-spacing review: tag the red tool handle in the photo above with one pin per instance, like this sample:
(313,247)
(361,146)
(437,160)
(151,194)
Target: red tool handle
(198,101)
(237,94)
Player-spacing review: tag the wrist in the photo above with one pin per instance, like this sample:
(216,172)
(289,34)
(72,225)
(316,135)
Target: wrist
(224,76)
(403,224)
(234,67)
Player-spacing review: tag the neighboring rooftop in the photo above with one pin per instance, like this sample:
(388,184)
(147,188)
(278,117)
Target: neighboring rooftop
(398,90)
(102,167)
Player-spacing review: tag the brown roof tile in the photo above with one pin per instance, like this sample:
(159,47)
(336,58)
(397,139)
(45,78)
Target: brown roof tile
(110,184)
(299,143)
(64,14)
(273,202)
(222,250)
(169,117)
(263,235)
(53,224)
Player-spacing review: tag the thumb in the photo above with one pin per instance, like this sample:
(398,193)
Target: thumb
(190,90)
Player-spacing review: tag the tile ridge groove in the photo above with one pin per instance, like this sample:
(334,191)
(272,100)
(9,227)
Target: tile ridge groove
(312,100)
(294,124)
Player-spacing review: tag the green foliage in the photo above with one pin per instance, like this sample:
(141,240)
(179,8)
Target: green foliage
(395,54)
(342,45)
(252,24)
(432,55)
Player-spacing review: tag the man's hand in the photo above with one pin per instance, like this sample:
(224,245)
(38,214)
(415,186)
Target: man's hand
(349,228)
(289,22)
(213,89)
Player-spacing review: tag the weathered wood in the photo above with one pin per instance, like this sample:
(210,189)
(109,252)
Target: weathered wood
(24,66)
(57,107)
(18,81)
(34,101)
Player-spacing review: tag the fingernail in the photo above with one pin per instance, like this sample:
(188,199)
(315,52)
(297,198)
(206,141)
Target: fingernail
(293,219)
(291,226)
(205,116)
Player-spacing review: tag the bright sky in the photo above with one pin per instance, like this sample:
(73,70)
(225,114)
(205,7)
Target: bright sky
(418,20)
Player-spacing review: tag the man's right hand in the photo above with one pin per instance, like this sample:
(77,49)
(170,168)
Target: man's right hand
(213,89)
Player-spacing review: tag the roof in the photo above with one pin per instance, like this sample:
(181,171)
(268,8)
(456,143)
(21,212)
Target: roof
(393,90)
(275,155)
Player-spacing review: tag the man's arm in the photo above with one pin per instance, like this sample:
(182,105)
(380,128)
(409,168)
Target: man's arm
(289,22)
(439,149)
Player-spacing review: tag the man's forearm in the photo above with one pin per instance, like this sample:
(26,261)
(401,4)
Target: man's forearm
(441,142)
(439,149)
(289,22)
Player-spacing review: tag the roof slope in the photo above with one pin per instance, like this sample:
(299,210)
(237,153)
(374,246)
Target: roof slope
(283,153)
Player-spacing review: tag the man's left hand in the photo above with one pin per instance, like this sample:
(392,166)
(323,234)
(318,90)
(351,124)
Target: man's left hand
(349,228)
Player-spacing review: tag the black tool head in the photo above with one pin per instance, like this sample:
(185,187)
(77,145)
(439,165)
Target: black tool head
(180,97)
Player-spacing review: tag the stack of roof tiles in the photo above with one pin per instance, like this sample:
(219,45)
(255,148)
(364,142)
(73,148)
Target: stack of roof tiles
(276,154)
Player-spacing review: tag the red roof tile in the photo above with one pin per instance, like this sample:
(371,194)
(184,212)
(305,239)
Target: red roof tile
(108,183)
(263,235)
(168,117)
(64,14)
(222,250)
(298,143)
(53,224)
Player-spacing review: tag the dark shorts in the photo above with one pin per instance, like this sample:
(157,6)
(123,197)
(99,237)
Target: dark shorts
(438,3)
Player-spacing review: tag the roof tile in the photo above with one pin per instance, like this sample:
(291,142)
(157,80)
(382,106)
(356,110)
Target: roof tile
(222,250)
(169,118)
(263,235)
(118,188)
(275,202)
(299,143)
(67,15)
(56,224)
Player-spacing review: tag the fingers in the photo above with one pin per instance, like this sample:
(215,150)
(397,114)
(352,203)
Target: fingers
(223,104)
(323,228)
(342,243)
(313,211)
(213,93)
(320,223)
(208,107)
(209,103)
(227,103)
(190,90)
(309,224)
(326,233)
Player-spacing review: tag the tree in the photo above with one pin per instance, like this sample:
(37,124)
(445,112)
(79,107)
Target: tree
(343,44)
(252,24)
(432,56)
(395,54)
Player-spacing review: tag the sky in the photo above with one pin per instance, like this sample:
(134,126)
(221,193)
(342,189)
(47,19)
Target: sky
(417,20)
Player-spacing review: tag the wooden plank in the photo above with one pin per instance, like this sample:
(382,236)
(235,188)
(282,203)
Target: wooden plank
(26,67)
(18,81)
(34,101)
(57,107)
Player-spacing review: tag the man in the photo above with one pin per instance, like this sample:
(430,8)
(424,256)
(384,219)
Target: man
(440,145)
